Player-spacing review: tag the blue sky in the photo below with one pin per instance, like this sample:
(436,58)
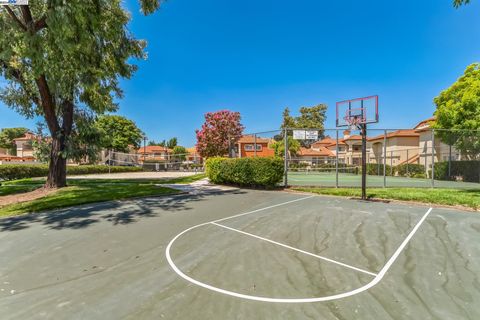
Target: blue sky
(259,56)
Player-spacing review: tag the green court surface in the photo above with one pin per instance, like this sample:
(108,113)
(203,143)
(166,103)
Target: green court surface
(328,179)
(241,254)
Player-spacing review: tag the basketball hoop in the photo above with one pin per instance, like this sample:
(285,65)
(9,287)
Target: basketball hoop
(354,118)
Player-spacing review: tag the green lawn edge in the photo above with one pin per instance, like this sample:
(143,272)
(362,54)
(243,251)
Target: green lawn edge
(87,191)
(445,197)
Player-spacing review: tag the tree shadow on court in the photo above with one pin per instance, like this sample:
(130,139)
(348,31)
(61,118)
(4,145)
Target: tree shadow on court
(116,212)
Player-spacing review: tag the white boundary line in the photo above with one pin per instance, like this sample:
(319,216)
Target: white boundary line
(295,249)
(369,285)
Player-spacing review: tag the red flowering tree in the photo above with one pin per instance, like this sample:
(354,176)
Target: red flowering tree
(221,130)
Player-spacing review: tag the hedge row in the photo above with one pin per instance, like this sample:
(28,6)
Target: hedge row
(468,171)
(17,171)
(246,172)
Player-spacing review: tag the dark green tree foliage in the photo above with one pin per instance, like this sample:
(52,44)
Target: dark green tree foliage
(458,3)
(458,109)
(180,153)
(172,143)
(6,138)
(119,133)
(63,57)
(287,120)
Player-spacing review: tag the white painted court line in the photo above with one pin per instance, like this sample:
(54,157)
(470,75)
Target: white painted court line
(262,209)
(296,249)
(369,285)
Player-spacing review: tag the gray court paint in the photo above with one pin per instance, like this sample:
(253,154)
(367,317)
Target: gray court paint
(375,281)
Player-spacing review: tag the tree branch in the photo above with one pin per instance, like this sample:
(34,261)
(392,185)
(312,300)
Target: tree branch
(15,18)
(19,77)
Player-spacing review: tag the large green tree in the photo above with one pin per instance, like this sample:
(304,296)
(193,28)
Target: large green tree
(458,109)
(61,58)
(119,133)
(458,3)
(6,138)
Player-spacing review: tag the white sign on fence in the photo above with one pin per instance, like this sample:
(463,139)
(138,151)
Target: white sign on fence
(305,134)
(299,134)
(13,2)
(311,135)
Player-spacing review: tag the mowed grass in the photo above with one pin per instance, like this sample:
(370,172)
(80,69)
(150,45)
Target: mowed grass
(89,191)
(451,197)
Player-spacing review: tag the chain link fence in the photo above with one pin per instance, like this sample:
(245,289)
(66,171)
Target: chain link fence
(417,158)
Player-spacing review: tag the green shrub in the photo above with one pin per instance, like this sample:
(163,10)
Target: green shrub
(409,170)
(374,169)
(419,176)
(468,171)
(246,172)
(18,171)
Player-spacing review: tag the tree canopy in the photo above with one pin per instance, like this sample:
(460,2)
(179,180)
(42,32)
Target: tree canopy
(62,58)
(458,109)
(279,147)
(180,153)
(6,138)
(220,131)
(458,3)
(309,118)
(120,133)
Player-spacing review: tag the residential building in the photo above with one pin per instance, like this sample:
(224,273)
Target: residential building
(245,147)
(154,153)
(401,147)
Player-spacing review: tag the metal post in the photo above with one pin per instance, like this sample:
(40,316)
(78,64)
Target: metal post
(391,163)
(449,161)
(433,158)
(407,162)
(364,161)
(109,160)
(385,159)
(255,145)
(144,149)
(336,164)
(285,142)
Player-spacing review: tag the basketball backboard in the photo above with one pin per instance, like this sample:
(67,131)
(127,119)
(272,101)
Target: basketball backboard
(357,111)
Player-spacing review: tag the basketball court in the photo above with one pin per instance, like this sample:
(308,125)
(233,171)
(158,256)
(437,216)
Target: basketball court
(242,254)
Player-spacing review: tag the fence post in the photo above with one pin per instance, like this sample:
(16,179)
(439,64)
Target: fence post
(255,145)
(407,161)
(285,140)
(336,164)
(391,163)
(433,158)
(449,161)
(385,159)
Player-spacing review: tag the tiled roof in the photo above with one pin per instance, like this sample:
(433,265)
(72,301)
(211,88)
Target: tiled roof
(153,149)
(398,133)
(322,152)
(424,123)
(354,137)
(324,142)
(251,139)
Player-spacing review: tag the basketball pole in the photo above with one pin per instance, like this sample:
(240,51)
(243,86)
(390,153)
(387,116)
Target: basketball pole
(363,127)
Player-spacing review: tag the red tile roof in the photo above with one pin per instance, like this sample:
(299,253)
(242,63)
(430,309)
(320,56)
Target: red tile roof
(398,133)
(154,149)
(251,139)
(322,152)
(425,122)
(324,142)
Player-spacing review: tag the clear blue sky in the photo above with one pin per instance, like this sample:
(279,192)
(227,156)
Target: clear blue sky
(258,56)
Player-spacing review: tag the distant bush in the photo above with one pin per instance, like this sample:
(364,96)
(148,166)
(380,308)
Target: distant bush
(409,170)
(18,171)
(468,171)
(374,169)
(246,172)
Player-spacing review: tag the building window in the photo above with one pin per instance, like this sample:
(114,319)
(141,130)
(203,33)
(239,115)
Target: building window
(341,149)
(250,147)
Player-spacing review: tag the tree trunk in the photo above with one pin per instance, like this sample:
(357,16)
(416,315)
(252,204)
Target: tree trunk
(57,172)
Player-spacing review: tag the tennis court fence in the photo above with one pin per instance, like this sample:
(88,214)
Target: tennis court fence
(419,157)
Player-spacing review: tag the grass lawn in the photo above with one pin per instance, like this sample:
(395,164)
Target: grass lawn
(87,191)
(452,197)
